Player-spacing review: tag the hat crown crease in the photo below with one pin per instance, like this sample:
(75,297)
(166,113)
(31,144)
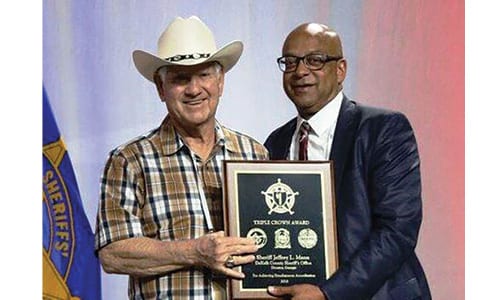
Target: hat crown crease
(186,36)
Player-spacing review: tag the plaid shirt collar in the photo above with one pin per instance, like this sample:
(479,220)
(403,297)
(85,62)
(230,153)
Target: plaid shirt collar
(172,142)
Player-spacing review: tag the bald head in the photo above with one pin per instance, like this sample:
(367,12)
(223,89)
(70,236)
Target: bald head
(312,82)
(318,32)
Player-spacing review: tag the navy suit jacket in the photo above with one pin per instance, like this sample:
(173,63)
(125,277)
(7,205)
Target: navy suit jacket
(379,205)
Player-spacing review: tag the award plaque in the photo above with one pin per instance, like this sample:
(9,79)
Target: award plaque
(288,208)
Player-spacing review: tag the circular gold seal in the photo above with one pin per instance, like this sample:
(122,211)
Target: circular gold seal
(307,238)
(282,239)
(259,236)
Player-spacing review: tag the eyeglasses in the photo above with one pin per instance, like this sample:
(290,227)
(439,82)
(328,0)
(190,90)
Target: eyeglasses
(289,63)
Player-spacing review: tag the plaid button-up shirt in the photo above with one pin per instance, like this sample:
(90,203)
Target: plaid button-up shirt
(149,189)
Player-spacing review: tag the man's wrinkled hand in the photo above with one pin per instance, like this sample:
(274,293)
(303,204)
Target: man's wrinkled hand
(222,253)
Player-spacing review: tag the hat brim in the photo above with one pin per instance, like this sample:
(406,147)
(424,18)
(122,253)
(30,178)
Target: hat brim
(147,63)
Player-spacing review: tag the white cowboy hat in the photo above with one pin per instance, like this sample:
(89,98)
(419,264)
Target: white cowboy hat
(186,42)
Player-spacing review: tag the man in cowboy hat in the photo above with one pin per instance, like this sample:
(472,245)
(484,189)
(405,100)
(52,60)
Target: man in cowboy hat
(160,214)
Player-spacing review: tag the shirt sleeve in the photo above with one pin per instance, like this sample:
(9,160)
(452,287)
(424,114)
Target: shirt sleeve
(121,200)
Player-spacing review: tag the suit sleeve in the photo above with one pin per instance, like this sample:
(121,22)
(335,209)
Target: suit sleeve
(393,191)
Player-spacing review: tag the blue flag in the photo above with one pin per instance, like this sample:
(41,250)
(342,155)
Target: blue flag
(70,268)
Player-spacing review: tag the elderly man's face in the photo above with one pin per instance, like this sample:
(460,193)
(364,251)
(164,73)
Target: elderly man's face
(192,93)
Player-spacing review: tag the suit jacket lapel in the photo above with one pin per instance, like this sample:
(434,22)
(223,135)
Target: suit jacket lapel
(286,140)
(343,139)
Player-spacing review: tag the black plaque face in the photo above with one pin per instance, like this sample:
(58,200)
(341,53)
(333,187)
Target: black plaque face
(288,209)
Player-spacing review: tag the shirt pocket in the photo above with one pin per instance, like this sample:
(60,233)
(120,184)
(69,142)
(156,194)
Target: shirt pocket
(171,210)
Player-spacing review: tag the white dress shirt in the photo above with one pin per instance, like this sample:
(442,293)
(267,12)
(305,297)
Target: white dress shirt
(323,125)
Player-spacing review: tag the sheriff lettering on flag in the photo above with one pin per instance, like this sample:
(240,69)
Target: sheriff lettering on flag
(70,268)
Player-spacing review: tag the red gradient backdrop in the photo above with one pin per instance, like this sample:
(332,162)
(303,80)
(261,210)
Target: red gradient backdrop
(411,58)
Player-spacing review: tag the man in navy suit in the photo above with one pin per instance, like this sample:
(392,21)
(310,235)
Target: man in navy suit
(377,175)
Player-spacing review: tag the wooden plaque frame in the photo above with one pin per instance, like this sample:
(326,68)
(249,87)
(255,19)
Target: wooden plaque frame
(288,207)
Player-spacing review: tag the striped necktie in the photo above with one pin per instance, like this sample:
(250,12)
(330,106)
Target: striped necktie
(303,140)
